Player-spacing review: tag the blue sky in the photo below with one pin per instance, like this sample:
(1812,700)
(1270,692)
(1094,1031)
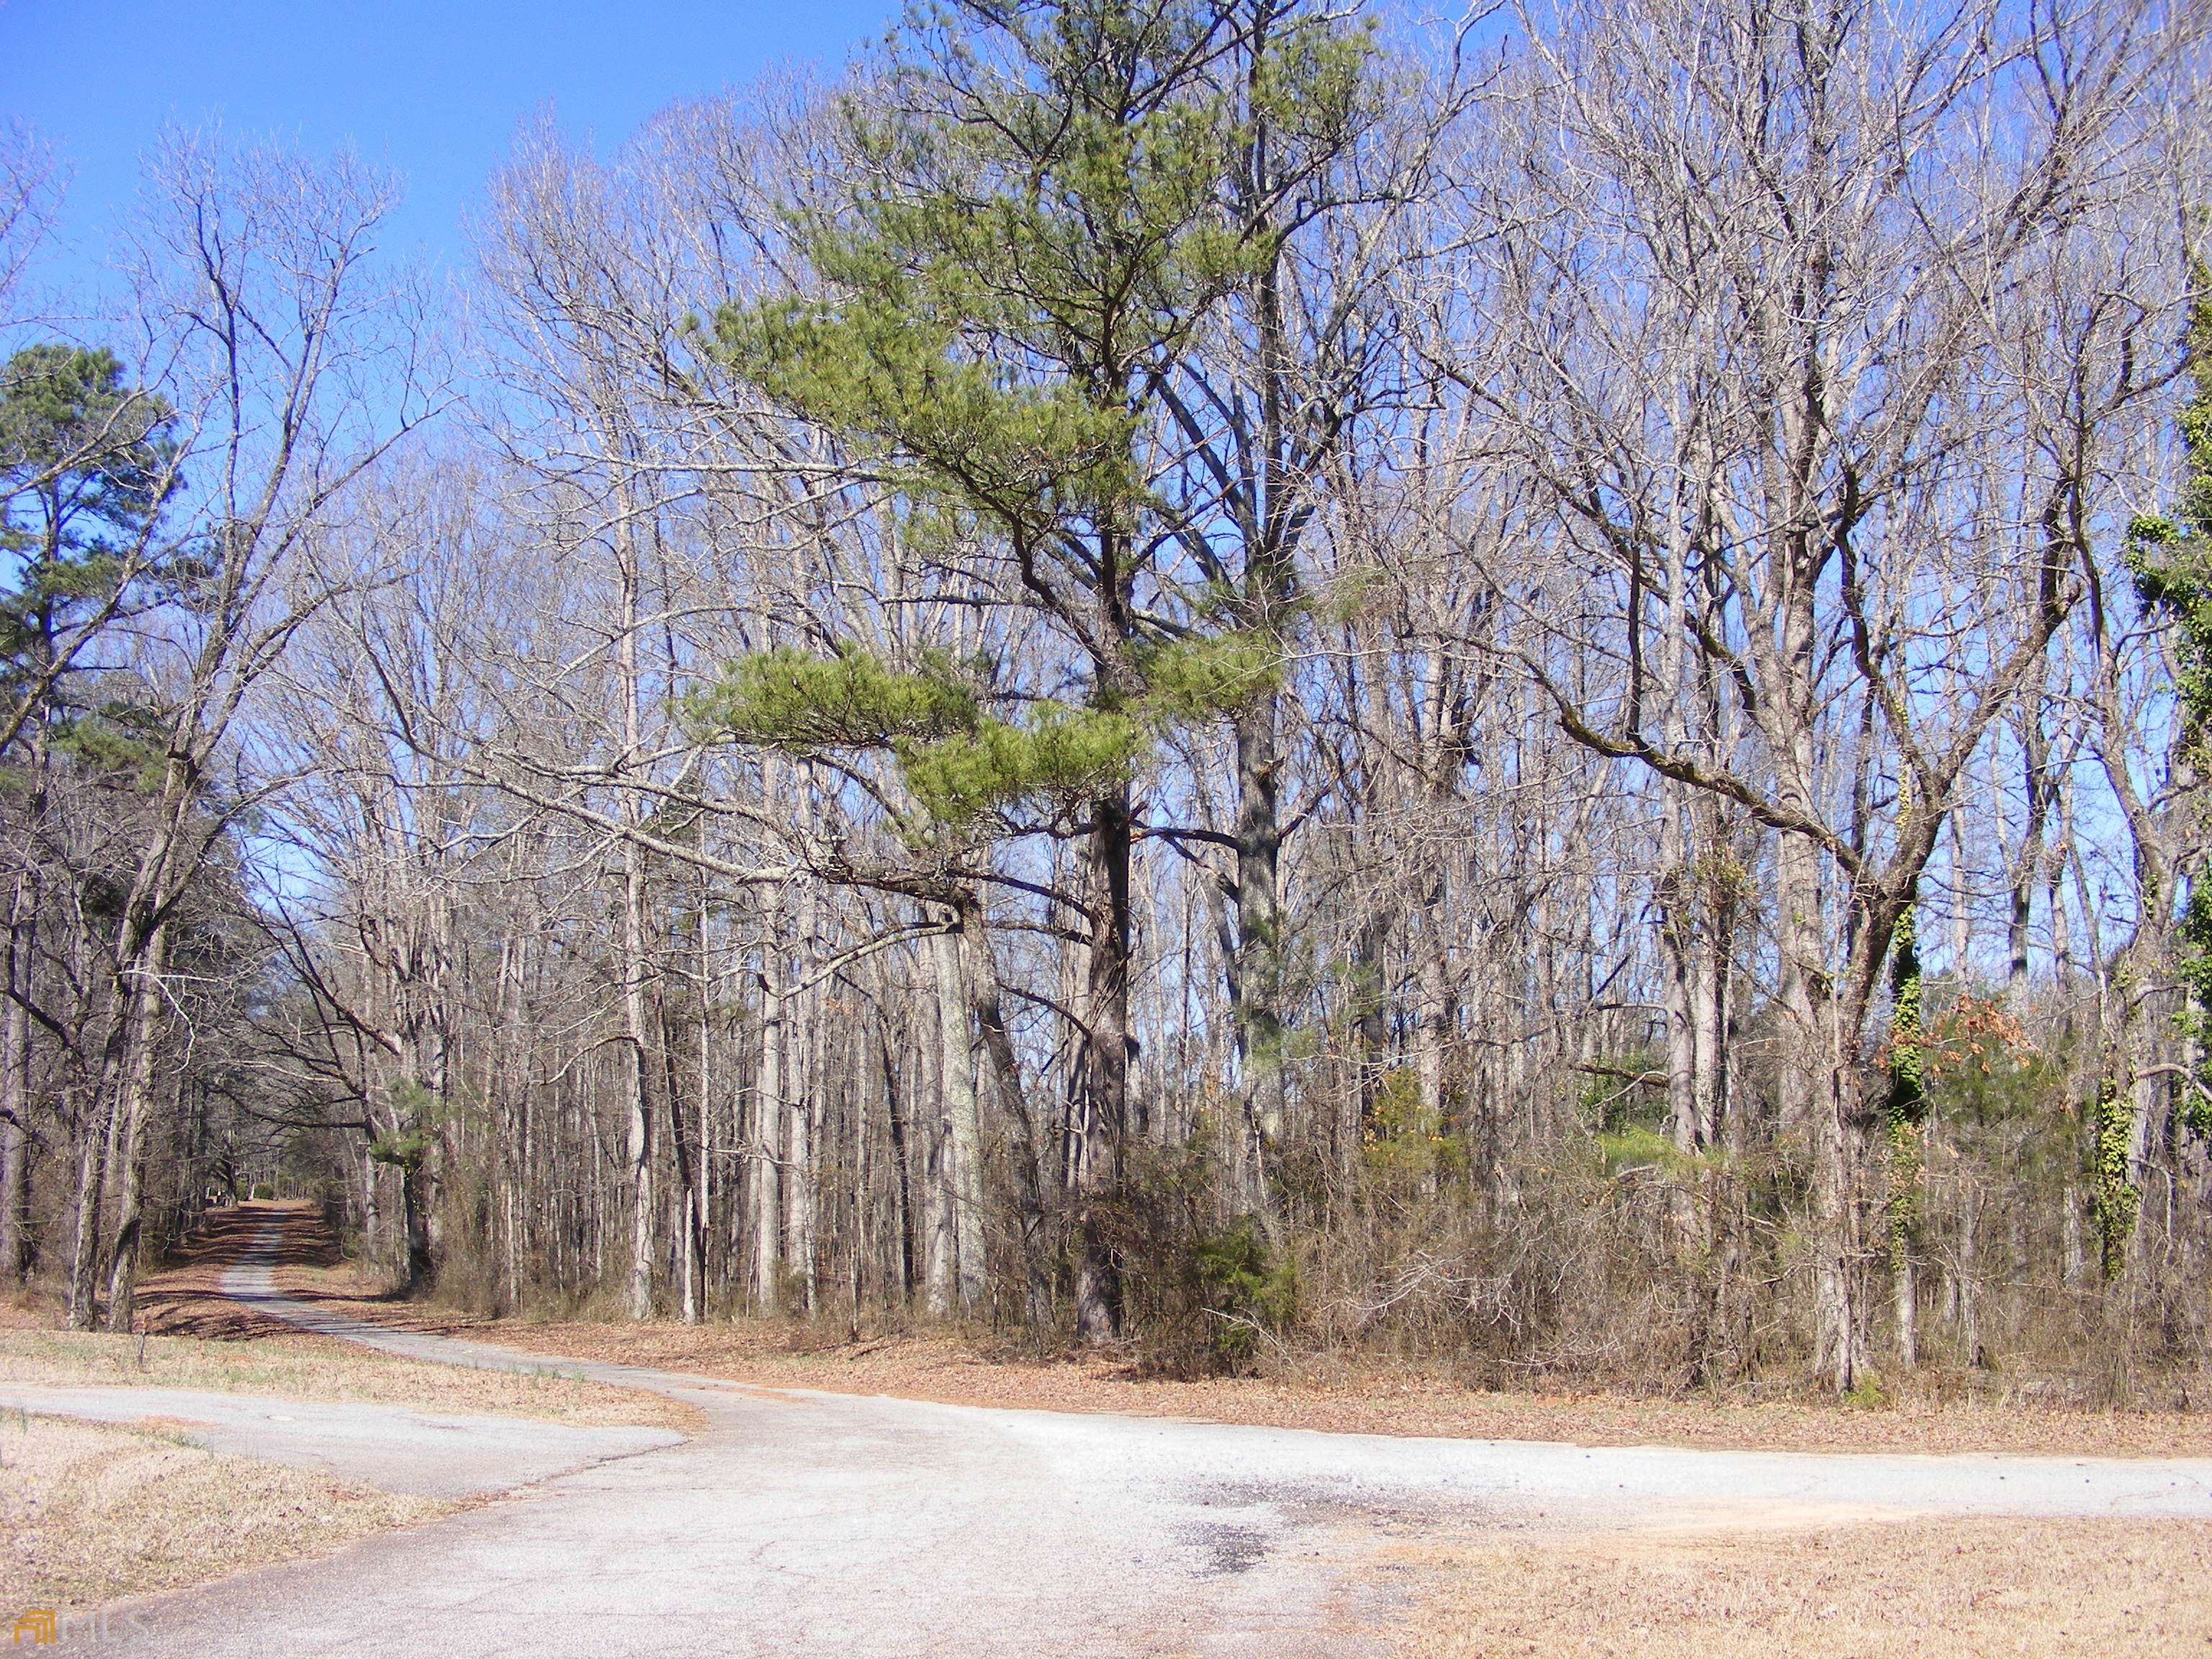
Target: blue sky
(433,91)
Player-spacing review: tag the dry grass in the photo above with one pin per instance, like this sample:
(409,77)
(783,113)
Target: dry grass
(198,1339)
(1884,1590)
(317,1367)
(1353,1395)
(1357,1398)
(90,1514)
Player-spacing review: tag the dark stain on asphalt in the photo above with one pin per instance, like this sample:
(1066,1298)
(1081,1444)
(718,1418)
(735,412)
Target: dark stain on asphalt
(1232,1549)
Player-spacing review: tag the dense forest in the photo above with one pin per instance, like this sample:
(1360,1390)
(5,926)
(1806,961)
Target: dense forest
(1227,677)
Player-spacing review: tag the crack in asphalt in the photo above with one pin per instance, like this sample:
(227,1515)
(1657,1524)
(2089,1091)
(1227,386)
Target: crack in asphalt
(798,1523)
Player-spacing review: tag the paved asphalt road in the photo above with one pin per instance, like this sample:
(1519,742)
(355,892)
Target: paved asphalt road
(814,1524)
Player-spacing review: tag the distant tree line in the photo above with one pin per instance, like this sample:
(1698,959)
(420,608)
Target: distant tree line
(1224,674)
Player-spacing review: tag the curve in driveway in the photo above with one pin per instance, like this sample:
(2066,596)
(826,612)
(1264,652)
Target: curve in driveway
(803,1523)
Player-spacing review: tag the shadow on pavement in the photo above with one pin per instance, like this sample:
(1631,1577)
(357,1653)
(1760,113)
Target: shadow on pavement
(186,1298)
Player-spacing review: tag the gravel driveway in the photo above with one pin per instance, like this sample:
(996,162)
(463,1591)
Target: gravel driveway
(853,1527)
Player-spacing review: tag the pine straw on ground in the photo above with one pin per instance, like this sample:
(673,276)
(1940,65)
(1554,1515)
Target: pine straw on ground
(88,1514)
(1769,1584)
(1350,1396)
(1881,1590)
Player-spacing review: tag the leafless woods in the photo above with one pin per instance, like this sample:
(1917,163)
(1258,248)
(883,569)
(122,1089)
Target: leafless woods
(1613,555)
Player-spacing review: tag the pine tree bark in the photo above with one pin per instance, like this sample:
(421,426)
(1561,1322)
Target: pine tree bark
(1102,1098)
(1256,985)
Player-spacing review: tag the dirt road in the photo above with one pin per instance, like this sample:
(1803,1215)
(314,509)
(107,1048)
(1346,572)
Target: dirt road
(799,1523)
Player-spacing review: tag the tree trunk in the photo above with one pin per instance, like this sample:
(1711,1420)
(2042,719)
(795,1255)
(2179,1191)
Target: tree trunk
(687,1192)
(638,1146)
(959,1284)
(414,1212)
(799,1196)
(1433,1018)
(1708,1012)
(1680,934)
(767,1134)
(15,1082)
(1970,1273)
(698,1190)
(1102,1099)
(1904,1301)
(1838,1321)
(16,1052)
(895,1117)
(135,1107)
(1256,982)
(372,1204)
(1820,1104)
(803,1075)
(982,978)
(2027,870)
(95,1132)
(639,1149)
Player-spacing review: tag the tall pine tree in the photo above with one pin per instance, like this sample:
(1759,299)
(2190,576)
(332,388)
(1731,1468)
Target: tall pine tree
(1042,228)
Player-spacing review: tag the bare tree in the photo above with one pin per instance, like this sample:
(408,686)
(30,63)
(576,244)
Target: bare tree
(263,330)
(1756,349)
